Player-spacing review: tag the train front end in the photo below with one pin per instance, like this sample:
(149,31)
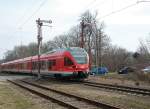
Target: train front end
(81,62)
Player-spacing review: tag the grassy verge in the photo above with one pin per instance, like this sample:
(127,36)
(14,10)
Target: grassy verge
(124,101)
(132,76)
(9,99)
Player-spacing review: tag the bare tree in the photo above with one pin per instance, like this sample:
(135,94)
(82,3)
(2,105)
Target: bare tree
(144,54)
(116,57)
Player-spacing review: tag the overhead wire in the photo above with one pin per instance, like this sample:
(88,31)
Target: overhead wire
(27,20)
(119,10)
(122,9)
(19,27)
(143,1)
(26,11)
(91,4)
(100,3)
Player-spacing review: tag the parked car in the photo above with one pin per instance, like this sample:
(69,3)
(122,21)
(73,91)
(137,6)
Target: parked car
(126,70)
(98,70)
(146,69)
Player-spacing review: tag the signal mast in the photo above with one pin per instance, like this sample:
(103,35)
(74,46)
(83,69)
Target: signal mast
(39,38)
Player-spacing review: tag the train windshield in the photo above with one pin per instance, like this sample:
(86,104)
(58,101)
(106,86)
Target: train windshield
(79,54)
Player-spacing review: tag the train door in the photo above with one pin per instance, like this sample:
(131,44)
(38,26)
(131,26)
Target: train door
(68,64)
(59,64)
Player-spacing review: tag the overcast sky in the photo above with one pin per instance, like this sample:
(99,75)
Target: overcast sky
(125,28)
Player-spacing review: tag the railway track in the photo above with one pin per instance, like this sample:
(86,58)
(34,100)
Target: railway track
(133,90)
(62,98)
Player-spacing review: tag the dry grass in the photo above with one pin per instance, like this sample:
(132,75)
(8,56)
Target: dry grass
(13,97)
(110,97)
(10,100)
(142,76)
(132,79)
(124,100)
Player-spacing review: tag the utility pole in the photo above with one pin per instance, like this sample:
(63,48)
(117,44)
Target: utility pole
(96,43)
(39,38)
(100,44)
(82,43)
(82,37)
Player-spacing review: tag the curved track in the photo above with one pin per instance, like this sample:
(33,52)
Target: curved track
(62,98)
(119,88)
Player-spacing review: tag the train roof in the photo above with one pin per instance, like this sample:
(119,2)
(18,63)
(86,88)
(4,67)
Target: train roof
(55,52)
(61,50)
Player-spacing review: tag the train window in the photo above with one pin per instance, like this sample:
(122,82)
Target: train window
(67,61)
(43,65)
(79,55)
(34,65)
(51,63)
(22,65)
(13,66)
(28,64)
(25,65)
(37,65)
(16,66)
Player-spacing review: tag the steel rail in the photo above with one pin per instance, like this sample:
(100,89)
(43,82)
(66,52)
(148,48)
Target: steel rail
(44,95)
(119,88)
(98,104)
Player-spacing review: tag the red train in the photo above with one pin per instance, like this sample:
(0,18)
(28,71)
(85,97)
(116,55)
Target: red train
(69,62)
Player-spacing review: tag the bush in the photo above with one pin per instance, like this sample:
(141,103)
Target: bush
(143,77)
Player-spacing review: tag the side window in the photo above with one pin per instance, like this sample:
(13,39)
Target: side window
(28,64)
(34,65)
(24,65)
(67,62)
(43,65)
(13,66)
(51,63)
(21,65)
(54,62)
